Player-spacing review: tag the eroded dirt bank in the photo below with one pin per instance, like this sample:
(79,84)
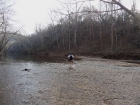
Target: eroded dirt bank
(94,81)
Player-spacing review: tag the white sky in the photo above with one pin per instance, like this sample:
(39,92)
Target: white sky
(30,13)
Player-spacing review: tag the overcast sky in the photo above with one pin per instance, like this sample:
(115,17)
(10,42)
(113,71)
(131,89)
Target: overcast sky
(29,13)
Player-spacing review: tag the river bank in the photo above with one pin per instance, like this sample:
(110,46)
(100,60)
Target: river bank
(107,55)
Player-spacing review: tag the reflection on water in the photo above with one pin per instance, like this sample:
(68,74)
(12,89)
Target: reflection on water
(33,58)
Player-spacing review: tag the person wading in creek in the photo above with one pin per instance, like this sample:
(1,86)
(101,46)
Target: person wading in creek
(71,58)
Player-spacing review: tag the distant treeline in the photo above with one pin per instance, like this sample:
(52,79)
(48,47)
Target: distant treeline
(86,32)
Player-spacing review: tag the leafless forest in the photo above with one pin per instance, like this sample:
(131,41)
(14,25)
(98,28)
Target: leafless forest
(111,30)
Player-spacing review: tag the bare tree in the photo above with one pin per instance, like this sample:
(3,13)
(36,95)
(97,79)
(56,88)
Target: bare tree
(5,28)
(4,11)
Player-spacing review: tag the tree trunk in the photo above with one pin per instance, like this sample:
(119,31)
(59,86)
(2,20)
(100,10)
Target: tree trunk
(69,34)
(112,36)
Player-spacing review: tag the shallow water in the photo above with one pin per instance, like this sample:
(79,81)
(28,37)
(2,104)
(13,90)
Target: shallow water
(19,87)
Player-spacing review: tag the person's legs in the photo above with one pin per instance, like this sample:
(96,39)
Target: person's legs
(71,63)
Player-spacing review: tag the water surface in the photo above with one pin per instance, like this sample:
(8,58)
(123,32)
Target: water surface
(19,87)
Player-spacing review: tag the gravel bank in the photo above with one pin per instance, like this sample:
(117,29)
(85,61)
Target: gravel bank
(96,81)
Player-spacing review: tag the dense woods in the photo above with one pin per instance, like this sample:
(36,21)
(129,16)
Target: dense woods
(109,30)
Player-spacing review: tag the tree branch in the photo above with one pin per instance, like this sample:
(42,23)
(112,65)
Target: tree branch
(10,38)
(74,2)
(127,10)
(108,2)
(95,11)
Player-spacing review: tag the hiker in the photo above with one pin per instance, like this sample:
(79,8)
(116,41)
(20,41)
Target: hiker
(71,58)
